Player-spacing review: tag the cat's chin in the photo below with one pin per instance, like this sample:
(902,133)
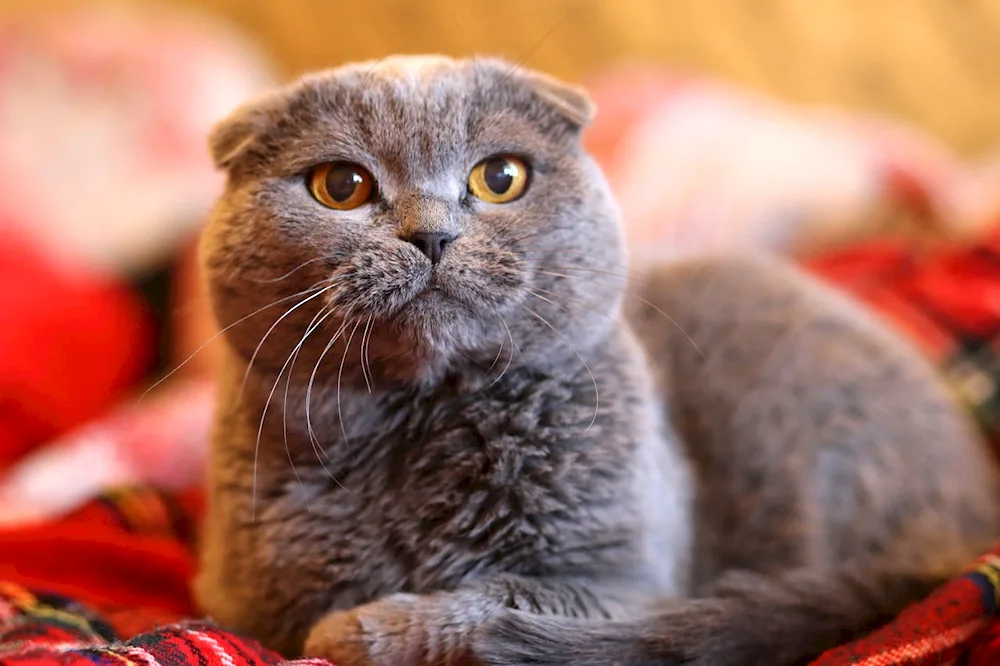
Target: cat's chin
(435,319)
(440,328)
(442,303)
(432,296)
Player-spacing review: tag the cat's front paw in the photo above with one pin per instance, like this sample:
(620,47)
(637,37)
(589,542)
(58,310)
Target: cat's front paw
(398,630)
(381,633)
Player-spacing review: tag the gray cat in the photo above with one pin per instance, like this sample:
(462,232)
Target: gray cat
(454,428)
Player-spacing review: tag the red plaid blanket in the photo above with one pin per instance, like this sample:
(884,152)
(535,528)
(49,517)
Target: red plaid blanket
(44,629)
(108,586)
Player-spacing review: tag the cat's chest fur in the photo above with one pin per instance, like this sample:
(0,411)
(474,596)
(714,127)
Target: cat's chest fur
(430,490)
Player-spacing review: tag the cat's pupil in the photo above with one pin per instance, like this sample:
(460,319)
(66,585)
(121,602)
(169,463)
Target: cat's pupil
(499,174)
(342,181)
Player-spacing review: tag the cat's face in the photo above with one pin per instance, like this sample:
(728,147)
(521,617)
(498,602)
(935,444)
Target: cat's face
(441,211)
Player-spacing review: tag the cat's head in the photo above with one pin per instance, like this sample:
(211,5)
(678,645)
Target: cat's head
(439,212)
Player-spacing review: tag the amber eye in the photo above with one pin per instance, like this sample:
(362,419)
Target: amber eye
(341,185)
(499,179)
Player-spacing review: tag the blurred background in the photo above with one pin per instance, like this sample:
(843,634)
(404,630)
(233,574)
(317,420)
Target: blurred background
(855,136)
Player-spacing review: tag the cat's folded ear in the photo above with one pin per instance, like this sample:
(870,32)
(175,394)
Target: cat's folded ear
(232,136)
(572,102)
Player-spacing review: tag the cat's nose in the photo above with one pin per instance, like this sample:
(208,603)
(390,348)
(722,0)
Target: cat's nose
(432,244)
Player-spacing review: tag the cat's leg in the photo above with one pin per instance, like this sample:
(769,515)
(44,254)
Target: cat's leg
(414,630)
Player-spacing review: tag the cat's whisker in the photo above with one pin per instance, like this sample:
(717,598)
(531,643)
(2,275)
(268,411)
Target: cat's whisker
(316,321)
(253,357)
(551,31)
(263,415)
(291,272)
(621,325)
(368,75)
(583,255)
(497,359)
(465,30)
(510,358)
(628,274)
(221,332)
(597,391)
(340,375)
(317,446)
(365,337)
(540,232)
(538,218)
(515,241)
(632,295)
(502,228)
(623,276)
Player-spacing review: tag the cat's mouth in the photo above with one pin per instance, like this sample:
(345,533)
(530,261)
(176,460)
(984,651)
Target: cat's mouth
(430,293)
(442,298)
(458,292)
(435,292)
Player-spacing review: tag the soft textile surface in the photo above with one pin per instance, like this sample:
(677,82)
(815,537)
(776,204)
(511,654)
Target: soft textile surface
(108,585)
(128,554)
(104,173)
(957,622)
(37,629)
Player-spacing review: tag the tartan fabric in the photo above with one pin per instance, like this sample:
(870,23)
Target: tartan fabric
(949,627)
(48,630)
(128,554)
(138,614)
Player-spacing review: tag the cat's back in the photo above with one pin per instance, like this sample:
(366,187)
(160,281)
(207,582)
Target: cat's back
(765,367)
(734,319)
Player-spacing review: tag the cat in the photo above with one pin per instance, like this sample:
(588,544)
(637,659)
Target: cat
(454,427)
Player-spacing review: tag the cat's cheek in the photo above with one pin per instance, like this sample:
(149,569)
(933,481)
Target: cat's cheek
(486,280)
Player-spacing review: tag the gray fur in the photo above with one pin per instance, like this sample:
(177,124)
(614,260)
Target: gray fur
(481,460)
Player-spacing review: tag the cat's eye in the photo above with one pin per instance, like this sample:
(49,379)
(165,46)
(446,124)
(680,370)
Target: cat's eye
(499,179)
(341,185)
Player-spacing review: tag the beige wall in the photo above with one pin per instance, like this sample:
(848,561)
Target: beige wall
(936,62)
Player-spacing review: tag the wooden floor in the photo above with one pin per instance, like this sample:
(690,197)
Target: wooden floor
(936,62)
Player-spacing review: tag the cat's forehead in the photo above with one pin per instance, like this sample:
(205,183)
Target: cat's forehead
(415,69)
(418,112)
(404,113)
(412,82)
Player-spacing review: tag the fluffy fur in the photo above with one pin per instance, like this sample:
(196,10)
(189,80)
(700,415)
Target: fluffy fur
(517,457)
